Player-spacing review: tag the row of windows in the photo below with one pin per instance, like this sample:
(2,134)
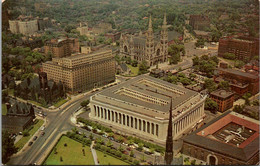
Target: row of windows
(126,120)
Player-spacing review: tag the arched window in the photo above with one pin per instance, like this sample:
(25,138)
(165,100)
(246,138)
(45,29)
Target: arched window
(132,122)
(120,120)
(112,112)
(140,124)
(108,114)
(125,49)
(116,117)
(152,128)
(127,119)
(135,123)
(212,160)
(148,127)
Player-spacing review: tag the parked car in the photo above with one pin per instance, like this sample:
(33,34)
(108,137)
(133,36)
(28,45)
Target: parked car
(35,137)
(125,152)
(43,133)
(42,128)
(149,162)
(146,152)
(129,149)
(111,138)
(30,143)
(20,133)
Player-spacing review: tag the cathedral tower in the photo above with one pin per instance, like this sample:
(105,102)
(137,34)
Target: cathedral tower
(169,140)
(149,47)
(164,39)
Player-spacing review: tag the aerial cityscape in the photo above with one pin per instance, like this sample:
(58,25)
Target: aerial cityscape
(130,82)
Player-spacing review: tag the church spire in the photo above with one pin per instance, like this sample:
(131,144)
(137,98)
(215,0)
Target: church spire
(150,27)
(164,19)
(169,141)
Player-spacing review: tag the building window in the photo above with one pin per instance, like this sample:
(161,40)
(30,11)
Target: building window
(135,123)
(112,112)
(123,119)
(116,117)
(140,125)
(120,120)
(157,129)
(95,110)
(152,128)
(148,127)
(144,126)
(132,122)
(127,119)
(101,112)
(108,114)
(98,112)
(105,113)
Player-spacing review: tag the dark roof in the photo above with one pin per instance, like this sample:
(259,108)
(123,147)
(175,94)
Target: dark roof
(20,109)
(251,109)
(243,154)
(123,67)
(222,93)
(240,73)
(15,120)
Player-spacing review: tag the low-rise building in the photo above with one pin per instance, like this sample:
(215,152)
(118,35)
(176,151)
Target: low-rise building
(82,72)
(230,139)
(240,82)
(19,116)
(223,98)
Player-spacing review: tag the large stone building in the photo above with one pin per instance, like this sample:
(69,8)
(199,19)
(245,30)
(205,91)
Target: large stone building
(230,139)
(82,71)
(199,22)
(83,29)
(140,107)
(145,47)
(62,47)
(27,25)
(240,82)
(244,48)
(102,28)
(24,25)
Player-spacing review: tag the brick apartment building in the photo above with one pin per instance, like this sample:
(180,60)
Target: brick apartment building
(223,98)
(62,47)
(82,71)
(199,22)
(244,48)
(240,82)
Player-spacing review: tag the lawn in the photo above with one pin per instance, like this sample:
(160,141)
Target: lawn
(24,140)
(109,160)
(71,154)
(4,109)
(134,70)
(60,102)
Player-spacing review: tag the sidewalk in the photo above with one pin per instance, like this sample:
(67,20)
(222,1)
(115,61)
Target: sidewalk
(94,154)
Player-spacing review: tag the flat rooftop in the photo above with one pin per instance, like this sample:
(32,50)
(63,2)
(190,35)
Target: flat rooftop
(231,134)
(240,73)
(149,92)
(222,93)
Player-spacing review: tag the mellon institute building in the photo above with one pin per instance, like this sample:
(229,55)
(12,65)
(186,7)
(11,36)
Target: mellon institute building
(140,107)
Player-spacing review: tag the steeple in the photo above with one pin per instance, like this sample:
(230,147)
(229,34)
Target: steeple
(164,19)
(150,27)
(169,141)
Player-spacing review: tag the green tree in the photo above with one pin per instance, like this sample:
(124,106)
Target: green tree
(134,63)
(229,56)
(196,60)
(200,42)
(211,105)
(224,85)
(210,85)
(8,148)
(143,68)
(238,109)
(84,103)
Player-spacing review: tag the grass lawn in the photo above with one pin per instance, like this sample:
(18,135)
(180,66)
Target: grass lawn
(134,70)
(60,102)
(71,155)
(4,109)
(24,140)
(109,160)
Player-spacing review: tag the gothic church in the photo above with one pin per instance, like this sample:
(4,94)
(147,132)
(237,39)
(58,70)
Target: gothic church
(145,47)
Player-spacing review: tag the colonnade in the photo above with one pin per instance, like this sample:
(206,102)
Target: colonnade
(126,120)
(185,122)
